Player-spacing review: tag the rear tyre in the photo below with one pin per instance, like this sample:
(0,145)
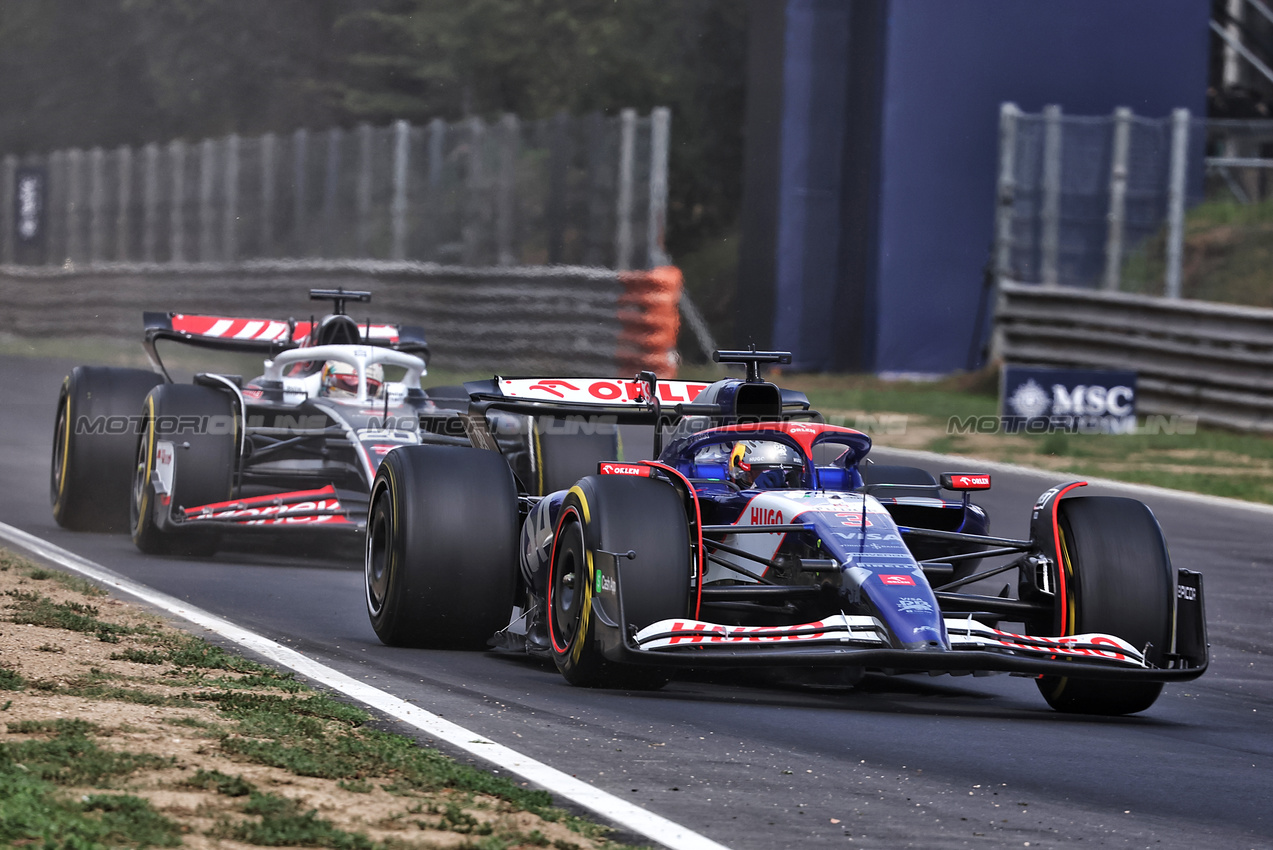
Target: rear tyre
(441,557)
(562,457)
(1118,581)
(605,514)
(94,444)
(201,426)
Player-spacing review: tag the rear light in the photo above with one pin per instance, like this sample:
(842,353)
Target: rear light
(607,467)
(965,480)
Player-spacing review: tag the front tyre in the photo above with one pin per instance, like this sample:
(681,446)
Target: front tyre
(199,428)
(602,515)
(94,444)
(441,558)
(1118,581)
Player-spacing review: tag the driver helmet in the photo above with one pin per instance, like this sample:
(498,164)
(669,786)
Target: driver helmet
(765,464)
(340,379)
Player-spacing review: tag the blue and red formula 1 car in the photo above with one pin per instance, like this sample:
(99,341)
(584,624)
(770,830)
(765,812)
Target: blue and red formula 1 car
(762,537)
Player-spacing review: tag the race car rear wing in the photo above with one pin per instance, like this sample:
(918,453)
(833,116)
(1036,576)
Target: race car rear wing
(268,337)
(644,400)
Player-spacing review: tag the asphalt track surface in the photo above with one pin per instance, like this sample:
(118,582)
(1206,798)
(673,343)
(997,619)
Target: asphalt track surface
(906,761)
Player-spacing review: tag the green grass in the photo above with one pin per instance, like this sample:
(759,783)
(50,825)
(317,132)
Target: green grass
(11,680)
(1228,255)
(264,717)
(70,757)
(140,656)
(318,736)
(68,580)
(280,821)
(959,395)
(215,780)
(32,811)
(35,609)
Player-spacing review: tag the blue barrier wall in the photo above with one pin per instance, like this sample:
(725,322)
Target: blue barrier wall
(888,156)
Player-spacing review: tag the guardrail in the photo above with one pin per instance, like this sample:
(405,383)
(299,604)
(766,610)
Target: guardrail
(533,319)
(1213,361)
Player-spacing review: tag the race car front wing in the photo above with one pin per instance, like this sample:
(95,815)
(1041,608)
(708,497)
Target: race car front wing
(862,640)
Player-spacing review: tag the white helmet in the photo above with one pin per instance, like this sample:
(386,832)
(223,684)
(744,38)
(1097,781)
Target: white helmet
(340,379)
(751,459)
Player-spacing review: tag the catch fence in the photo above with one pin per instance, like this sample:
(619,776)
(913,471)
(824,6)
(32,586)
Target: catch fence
(587,191)
(1099,202)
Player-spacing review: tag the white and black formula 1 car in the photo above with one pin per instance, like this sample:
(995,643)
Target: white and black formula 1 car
(297,447)
(762,537)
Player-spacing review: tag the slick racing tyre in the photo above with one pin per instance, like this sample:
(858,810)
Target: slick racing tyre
(199,427)
(1118,580)
(441,557)
(601,516)
(94,445)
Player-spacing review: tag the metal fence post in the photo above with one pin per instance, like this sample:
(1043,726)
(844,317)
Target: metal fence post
(660,131)
(1117,198)
(230,220)
(362,190)
(269,183)
(300,173)
(150,202)
(331,193)
(55,211)
(1176,201)
(474,204)
(600,172)
(555,204)
(176,213)
(398,212)
(1050,214)
(506,191)
(207,181)
(74,205)
(431,205)
(96,205)
(123,202)
(623,206)
(1005,196)
(8,222)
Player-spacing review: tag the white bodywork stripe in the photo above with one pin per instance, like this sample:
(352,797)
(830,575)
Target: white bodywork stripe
(274,331)
(249,330)
(219,327)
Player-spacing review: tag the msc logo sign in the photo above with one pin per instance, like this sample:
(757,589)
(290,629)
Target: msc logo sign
(1085,400)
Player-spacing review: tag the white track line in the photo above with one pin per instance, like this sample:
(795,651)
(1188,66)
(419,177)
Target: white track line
(957,463)
(645,823)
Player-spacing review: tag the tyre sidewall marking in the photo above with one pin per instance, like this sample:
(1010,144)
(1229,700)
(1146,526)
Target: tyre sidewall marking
(581,634)
(1071,604)
(143,506)
(583,521)
(64,408)
(381,485)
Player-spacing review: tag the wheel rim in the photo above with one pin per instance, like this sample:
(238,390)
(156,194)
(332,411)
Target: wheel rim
(569,575)
(379,534)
